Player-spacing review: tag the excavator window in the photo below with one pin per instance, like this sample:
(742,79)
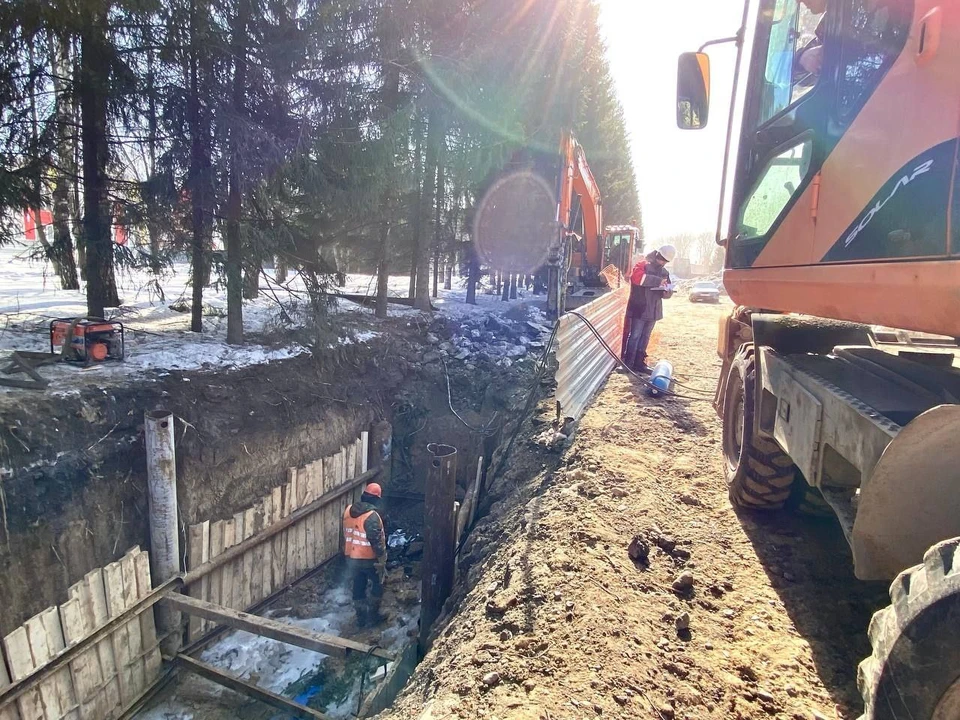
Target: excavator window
(776,186)
(874,32)
(791,65)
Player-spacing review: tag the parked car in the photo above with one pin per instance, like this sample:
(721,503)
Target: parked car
(704,291)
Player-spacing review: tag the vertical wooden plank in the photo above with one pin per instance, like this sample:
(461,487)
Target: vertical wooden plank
(128,570)
(226,581)
(8,711)
(93,606)
(85,669)
(17,649)
(264,554)
(113,595)
(278,555)
(249,521)
(315,526)
(198,552)
(364,451)
(289,498)
(62,679)
(333,512)
(351,461)
(148,627)
(40,653)
(303,482)
(236,597)
(216,549)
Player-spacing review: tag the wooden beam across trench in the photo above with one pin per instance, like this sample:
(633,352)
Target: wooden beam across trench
(273,629)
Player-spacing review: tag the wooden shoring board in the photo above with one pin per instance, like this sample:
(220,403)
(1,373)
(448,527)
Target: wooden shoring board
(198,552)
(278,559)
(246,564)
(293,532)
(364,451)
(228,681)
(274,629)
(266,560)
(128,569)
(226,574)
(16,647)
(288,491)
(8,711)
(85,668)
(152,661)
(45,636)
(216,548)
(93,608)
(332,513)
(315,527)
(300,497)
(256,580)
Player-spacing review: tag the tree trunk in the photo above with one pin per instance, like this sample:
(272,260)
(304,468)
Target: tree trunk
(199,173)
(94,89)
(435,135)
(418,174)
(281,270)
(251,281)
(505,295)
(153,210)
(473,275)
(438,214)
(383,269)
(448,273)
(75,150)
(234,244)
(513,286)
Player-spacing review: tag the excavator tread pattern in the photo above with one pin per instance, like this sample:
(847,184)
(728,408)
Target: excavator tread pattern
(915,640)
(765,474)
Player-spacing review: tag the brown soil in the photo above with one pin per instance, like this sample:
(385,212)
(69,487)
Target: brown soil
(554,620)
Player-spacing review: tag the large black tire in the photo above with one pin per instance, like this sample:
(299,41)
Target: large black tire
(759,474)
(914,671)
(807,500)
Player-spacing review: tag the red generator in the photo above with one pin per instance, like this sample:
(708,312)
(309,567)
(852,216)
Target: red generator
(91,339)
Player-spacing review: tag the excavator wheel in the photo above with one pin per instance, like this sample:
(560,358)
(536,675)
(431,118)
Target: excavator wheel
(807,500)
(759,474)
(914,671)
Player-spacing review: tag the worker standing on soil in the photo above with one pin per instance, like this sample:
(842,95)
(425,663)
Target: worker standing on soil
(365,549)
(649,285)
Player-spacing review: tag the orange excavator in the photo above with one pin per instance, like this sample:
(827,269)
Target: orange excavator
(584,251)
(840,387)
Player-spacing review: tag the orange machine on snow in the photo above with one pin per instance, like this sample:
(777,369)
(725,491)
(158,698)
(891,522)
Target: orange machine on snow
(841,214)
(589,248)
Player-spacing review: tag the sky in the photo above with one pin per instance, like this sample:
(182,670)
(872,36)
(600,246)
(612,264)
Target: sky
(678,171)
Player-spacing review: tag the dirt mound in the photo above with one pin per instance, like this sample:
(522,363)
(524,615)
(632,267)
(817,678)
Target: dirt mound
(615,580)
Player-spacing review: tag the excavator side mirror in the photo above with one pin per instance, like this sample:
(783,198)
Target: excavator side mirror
(693,91)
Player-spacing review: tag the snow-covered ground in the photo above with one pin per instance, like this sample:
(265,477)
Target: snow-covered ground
(279,667)
(158,337)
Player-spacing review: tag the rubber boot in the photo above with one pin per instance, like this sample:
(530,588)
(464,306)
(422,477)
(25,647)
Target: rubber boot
(375,617)
(363,614)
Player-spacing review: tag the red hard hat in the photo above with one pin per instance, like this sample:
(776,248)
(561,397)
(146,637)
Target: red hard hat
(374,489)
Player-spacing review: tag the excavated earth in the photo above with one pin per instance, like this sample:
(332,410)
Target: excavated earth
(732,615)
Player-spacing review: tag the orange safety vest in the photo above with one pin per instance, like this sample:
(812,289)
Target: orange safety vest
(356,545)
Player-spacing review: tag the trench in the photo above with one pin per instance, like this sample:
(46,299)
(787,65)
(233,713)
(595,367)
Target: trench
(73,488)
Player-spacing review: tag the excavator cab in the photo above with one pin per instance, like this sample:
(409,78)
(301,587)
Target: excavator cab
(839,213)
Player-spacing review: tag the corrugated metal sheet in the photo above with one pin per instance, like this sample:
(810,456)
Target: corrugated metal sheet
(583,362)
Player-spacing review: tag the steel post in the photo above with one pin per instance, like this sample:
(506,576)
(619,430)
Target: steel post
(162,504)
(439,531)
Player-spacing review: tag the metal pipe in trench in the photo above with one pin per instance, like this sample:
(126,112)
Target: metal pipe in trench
(162,503)
(439,540)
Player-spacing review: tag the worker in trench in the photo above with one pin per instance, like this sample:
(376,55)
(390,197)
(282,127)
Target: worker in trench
(365,550)
(649,285)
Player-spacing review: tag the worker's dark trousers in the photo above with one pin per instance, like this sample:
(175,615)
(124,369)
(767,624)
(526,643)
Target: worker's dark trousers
(636,353)
(359,573)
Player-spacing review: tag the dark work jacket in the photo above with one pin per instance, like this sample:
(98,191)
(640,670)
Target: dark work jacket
(645,302)
(373,526)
